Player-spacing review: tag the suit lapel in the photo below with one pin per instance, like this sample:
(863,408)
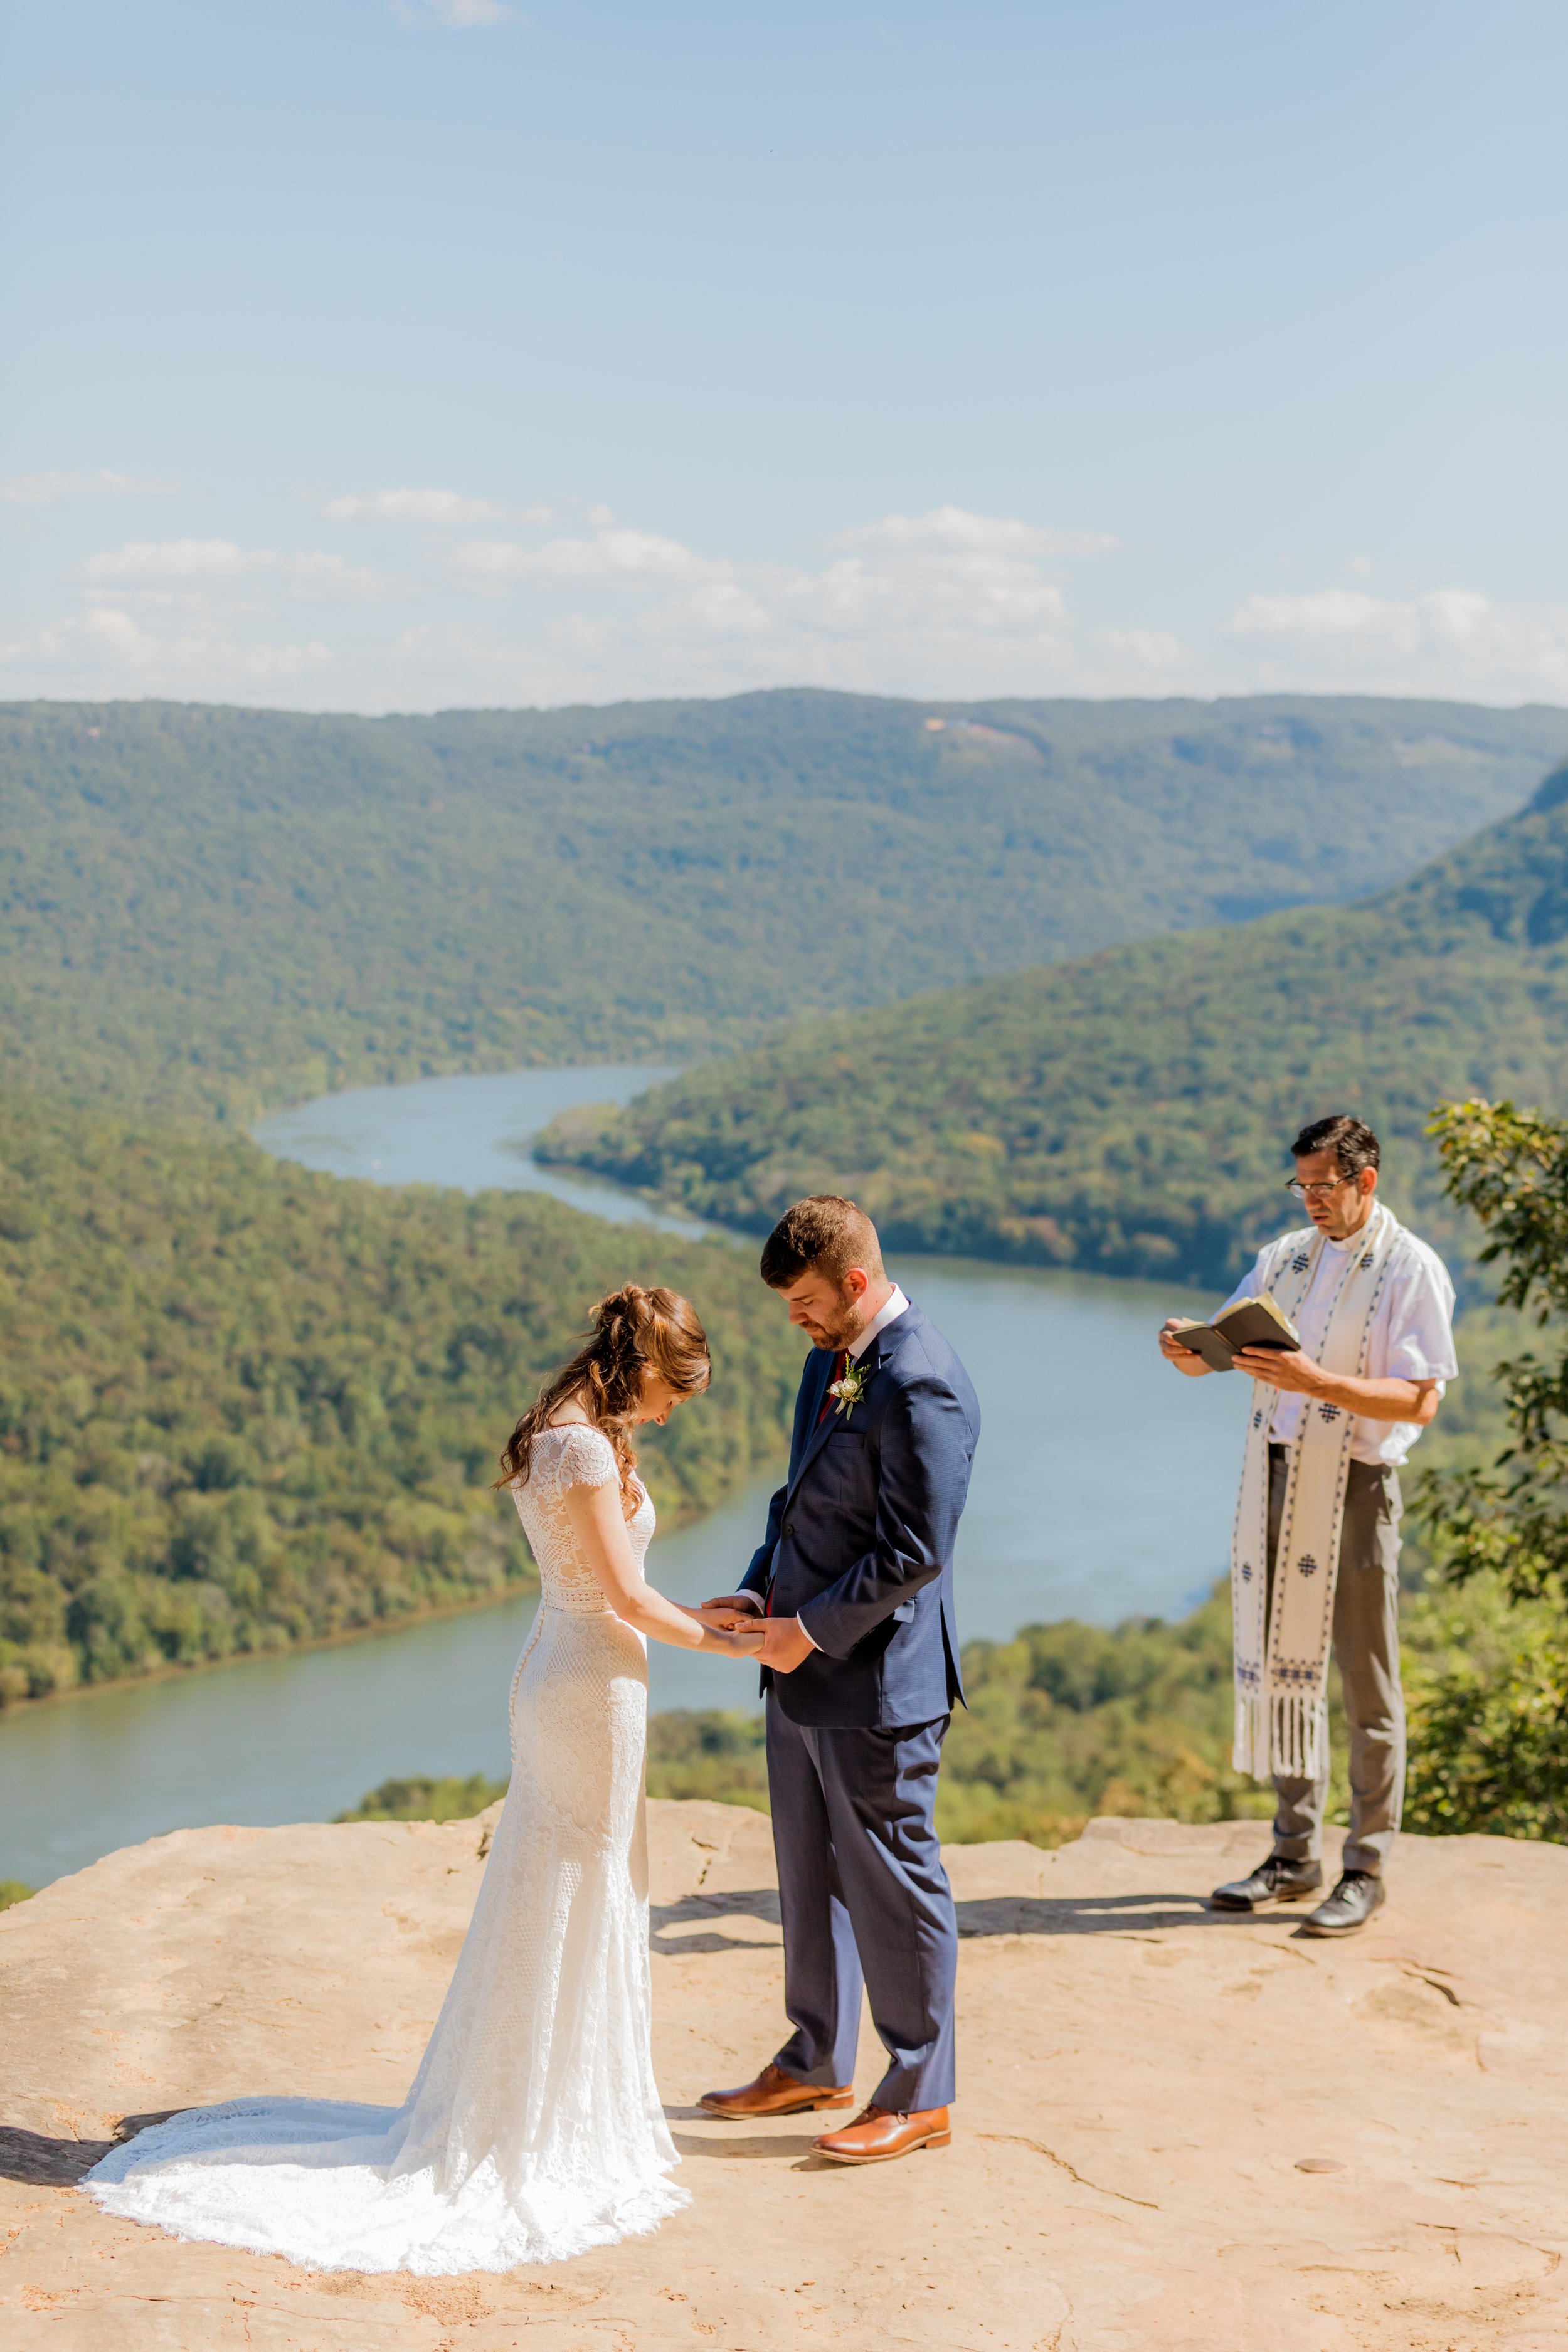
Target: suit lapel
(871,1362)
(814,1446)
(817,1429)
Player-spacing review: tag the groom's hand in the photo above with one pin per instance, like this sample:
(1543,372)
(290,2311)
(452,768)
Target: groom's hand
(732,1612)
(785,1643)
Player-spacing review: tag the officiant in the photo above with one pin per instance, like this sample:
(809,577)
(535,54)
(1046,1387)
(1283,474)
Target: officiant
(1315,1551)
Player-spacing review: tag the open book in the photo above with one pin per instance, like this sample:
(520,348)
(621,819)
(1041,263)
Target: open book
(1250,1323)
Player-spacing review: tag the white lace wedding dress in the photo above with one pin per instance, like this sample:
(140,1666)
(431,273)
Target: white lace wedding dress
(533,2130)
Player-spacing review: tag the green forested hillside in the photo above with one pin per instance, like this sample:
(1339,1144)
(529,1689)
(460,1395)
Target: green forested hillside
(242,1405)
(218,909)
(1129,1113)
(1063,1721)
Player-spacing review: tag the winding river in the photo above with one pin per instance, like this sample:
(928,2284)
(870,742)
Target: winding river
(1102,1490)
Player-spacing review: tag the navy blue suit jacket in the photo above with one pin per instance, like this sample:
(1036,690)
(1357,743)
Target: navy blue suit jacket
(860,1536)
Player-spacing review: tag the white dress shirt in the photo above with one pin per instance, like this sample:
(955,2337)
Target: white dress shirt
(1412,1338)
(897,1305)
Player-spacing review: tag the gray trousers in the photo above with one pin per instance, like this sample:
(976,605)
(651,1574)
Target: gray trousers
(1366,1647)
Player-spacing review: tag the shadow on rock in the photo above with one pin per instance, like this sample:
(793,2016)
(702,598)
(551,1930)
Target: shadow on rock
(1092,1914)
(755,1903)
(785,2144)
(44,2163)
(989,1915)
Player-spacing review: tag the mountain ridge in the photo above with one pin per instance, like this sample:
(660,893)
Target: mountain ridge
(1129,1113)
(219,910)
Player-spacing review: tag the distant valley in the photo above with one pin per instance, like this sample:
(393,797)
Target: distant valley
(1128,1113)
(242,1407)
(219,910)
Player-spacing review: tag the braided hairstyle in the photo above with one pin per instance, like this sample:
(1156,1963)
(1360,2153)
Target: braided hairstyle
(633,1328)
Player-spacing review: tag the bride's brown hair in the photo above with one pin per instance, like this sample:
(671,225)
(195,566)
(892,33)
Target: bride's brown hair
(631,1328)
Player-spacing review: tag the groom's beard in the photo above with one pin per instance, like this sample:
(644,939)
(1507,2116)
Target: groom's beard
(842,1332)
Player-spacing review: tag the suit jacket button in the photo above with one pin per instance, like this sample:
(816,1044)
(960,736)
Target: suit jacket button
(789,1527)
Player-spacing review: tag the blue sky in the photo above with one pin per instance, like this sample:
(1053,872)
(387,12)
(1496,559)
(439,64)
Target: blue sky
(387,354)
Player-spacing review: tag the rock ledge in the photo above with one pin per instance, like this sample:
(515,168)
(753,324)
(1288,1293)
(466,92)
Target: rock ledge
(1178,2130)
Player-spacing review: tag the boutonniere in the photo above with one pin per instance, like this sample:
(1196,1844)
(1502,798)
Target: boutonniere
(851,1387)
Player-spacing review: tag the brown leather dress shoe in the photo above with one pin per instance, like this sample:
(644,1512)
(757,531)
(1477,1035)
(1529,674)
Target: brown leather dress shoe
(879,2135)
(775,2093)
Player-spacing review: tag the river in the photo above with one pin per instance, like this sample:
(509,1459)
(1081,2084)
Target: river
(1102,1489)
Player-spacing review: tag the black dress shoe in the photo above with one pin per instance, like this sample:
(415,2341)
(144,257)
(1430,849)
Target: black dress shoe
(1278,1880)
(1359,1893)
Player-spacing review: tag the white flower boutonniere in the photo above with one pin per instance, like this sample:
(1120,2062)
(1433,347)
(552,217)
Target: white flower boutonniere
(851,1387)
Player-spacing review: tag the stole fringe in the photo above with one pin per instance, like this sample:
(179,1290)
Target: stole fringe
(1287,1734)
(1250,1752)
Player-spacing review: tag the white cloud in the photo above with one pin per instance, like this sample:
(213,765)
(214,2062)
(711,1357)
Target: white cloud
(48,489)
(462,15)
(164,565)
(1449,641)
(945,604)
(1158,653)
(155,562)
(954,530)
(108,651)
(319,579)
(438,507)
(614,556)
(949,603)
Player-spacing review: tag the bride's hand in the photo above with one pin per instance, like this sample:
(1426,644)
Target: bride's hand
(745,1642)
(728,1609)
(724,1617)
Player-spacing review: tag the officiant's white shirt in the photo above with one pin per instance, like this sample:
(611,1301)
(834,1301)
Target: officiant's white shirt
(1412,1338)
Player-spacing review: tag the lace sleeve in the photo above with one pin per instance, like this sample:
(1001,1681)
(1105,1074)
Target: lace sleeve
(576,1455)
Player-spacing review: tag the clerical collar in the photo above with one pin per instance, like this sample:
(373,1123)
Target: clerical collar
(1362,1235)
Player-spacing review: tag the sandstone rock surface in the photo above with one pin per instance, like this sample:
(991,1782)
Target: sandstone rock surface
(1178,2130)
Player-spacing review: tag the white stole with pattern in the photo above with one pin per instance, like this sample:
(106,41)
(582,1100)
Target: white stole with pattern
(1282,1654)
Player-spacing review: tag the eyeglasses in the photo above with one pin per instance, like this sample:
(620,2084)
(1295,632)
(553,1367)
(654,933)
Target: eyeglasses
(1316,1191)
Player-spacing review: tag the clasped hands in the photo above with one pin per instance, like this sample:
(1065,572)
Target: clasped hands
(777,1641)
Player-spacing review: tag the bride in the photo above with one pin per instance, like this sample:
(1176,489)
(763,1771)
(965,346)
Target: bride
(533,2130)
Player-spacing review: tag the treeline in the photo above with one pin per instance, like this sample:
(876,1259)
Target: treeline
(221,911)
(1128,1114)
(1064,1721)
(1069,1720)
(242,1405)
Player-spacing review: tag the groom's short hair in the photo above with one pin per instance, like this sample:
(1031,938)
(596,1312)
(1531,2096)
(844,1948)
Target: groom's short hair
(824,1234)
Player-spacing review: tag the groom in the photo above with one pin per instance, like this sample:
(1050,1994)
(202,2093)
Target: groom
(860,1672)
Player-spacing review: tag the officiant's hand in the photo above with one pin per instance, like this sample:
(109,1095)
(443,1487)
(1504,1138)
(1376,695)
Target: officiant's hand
(1282,1368)
(1174,1354)
(785,1643)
